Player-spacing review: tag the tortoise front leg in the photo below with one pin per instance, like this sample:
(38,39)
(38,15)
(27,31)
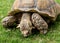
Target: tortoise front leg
(39,23)
(8,21)
(25,25)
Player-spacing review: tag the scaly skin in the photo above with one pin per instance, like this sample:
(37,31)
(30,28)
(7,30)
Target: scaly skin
(11,20)
(39,23)
(25,25)
(8,21)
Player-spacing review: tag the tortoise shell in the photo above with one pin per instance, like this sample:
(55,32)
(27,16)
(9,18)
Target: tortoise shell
(46,8)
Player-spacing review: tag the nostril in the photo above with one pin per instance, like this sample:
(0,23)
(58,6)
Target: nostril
(27,33)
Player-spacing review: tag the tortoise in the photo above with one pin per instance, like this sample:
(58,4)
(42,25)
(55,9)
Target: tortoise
(31,14)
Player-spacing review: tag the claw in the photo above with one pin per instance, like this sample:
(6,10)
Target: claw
(43,31)
(18,26)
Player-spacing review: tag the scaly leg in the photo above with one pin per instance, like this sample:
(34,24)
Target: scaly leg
(8,21)
(39,23)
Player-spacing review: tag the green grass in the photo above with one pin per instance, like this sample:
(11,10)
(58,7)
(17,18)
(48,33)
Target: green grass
(14,36)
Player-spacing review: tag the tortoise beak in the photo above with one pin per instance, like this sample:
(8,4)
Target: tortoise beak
(25,33)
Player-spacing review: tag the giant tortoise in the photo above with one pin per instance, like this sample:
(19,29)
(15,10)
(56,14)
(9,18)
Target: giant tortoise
(31,14)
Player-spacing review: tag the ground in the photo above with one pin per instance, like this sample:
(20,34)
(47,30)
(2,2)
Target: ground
(14,35)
